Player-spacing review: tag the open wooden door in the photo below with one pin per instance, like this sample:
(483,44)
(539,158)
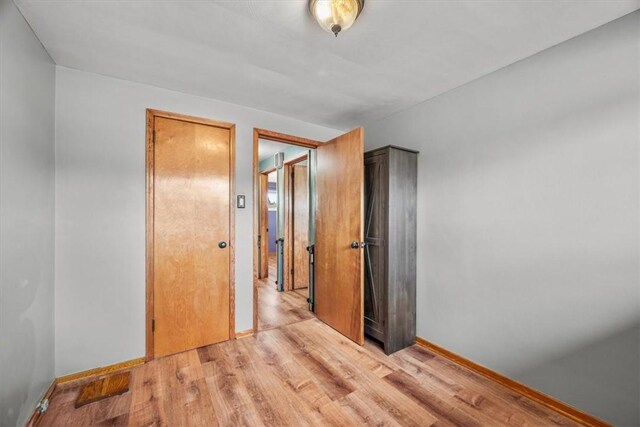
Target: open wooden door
(300,214)
(339,266)
(263,236)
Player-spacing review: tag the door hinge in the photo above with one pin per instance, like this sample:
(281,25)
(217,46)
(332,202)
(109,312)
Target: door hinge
(153,325)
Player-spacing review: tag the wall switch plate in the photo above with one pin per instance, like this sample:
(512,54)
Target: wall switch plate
(241,201)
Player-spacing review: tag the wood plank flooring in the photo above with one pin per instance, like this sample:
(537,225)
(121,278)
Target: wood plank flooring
(302,374)
(277,309)
(299,372)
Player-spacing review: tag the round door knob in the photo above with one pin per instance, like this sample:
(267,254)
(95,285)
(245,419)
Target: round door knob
(222,245)
(355,245)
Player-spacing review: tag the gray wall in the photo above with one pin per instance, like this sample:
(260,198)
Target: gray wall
(27,91)
(528,238)
(100,210)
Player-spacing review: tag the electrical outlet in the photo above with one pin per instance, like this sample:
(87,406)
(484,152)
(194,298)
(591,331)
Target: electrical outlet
(42,406)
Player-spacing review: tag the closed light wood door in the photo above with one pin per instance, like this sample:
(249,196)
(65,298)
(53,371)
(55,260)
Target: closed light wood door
(191,266)
(339,216)
(300,226)
(264,226)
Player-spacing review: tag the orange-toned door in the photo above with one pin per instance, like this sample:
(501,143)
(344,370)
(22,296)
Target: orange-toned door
(191,234)
(263,236)
(339,266)
(300,193)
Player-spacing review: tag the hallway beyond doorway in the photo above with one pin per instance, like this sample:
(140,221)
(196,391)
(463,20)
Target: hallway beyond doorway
(278,309)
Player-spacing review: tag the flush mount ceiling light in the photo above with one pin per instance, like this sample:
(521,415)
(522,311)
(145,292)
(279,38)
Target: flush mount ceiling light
(335,15)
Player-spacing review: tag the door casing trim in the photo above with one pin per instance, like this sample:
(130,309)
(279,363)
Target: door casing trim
(149,165)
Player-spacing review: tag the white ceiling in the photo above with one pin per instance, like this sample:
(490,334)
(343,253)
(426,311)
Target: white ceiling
(267,149)
(271,55)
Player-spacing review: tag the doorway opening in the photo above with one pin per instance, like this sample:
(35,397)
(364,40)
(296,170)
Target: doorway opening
(285,221)
(335,239)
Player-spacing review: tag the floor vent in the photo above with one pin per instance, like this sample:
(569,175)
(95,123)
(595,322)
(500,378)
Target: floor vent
(103,388)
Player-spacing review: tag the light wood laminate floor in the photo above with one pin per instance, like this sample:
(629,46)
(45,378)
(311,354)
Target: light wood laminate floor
(277,309)
(300,372)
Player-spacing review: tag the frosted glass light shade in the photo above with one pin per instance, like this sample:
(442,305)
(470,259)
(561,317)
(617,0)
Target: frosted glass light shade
(336,15)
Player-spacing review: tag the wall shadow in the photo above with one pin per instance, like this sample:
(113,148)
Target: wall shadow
(603,376)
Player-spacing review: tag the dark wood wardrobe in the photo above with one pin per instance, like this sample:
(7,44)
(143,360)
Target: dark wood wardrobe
(390,251)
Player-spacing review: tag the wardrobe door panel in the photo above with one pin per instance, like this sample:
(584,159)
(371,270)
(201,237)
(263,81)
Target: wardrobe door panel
(375,219)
